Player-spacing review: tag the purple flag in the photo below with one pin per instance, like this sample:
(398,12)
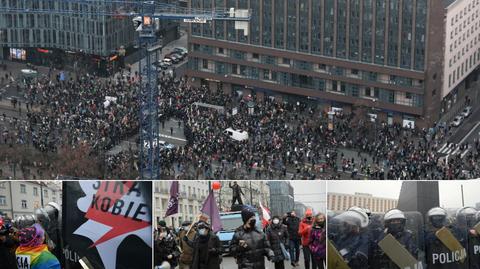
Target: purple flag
(210,208)
(172,208)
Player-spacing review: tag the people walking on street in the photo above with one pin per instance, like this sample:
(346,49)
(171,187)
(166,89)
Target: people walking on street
(249,245)
(277,236)
(304,230)
(293,223)
(205,246)
(317,242)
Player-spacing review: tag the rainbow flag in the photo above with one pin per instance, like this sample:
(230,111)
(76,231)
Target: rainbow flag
(36,258)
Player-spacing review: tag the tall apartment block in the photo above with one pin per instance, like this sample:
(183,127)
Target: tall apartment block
(56,38)
(404,60)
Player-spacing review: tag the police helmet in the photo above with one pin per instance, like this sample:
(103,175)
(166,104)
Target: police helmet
(361,215)
(467,216)
(390,216)
(437,217)
(53,211)
(42,217)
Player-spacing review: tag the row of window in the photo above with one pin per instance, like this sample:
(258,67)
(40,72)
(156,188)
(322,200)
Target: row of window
(23,190)
(304,65)
(302,81)
(334,31)
(23,203)
(459,16)
(466,35)
(463,69)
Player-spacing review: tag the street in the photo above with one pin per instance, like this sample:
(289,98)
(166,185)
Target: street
(229,263)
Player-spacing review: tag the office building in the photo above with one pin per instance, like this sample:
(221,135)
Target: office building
(19,198)
(75,40)
(281,197)
(406,61)
(342,202)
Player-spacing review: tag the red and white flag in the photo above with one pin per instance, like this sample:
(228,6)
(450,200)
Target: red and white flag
(265,215)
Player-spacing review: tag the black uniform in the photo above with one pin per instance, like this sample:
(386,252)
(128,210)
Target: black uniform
(380,260)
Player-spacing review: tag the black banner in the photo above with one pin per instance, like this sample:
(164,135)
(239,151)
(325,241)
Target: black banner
(109,223)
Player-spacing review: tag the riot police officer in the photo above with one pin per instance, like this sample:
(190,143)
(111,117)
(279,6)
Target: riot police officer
(438,255)
(394,224)
(351,238)
(466,220)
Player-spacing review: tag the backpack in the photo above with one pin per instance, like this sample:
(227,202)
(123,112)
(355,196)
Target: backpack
(317,244)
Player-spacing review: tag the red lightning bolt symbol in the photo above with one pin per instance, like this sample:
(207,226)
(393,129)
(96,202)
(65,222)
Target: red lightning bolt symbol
(120,224)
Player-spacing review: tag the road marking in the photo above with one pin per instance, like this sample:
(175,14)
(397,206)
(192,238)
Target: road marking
(469,133)
(441,149)
(464,153)
(456,150)
(172,137)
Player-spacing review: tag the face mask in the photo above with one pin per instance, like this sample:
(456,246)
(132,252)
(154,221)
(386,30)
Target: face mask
(276,221)
(320,224)
(395,227)
(202,231)
(437,221)
(252,223)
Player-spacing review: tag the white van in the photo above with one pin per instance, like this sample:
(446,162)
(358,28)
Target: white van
(237,135)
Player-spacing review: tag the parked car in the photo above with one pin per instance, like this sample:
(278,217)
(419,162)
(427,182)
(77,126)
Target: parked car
(467,111)
(175,59)
(457,121)
(167,61)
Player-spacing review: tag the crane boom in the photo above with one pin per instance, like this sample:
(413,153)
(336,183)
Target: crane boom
(122,8)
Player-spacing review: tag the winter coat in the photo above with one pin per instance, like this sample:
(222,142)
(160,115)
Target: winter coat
(292,225)
(277,234)
(163,248)
(7,256)
(209,247)
(304,231)
(318,246)
(251,257)
(187,252)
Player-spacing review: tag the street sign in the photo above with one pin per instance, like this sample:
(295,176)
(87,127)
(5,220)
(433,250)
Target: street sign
(196,20)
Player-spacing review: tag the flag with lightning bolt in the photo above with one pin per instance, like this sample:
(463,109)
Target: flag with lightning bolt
(109,223)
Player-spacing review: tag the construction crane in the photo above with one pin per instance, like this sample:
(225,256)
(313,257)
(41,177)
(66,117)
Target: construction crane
(144,15)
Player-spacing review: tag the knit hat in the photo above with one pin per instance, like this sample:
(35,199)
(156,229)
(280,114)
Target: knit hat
(247,213)
(162,223)
(32,236)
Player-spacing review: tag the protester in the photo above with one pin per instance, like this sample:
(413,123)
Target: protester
(293,223)
(317,242)
(32,252)
(7,247)
(186,257)
(278,238)
(304,230)
(249,246)
(165,248)
(205,246)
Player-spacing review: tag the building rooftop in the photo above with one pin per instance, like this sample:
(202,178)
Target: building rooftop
(447,3)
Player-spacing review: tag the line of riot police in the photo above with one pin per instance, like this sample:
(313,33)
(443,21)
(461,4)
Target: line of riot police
(397,239)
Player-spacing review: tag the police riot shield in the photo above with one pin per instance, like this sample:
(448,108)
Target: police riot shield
(349,236)
(464,226)
(445,243)
(398,245)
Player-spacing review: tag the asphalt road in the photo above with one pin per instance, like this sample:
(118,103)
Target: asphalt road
(229,263)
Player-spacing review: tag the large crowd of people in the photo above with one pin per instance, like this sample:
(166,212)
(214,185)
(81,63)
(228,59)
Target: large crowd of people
(196,246)
(285,140)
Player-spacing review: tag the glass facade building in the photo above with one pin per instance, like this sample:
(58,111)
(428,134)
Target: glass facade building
(341,52)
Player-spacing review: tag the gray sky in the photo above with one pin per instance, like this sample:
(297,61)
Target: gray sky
(450,194)
(311,193)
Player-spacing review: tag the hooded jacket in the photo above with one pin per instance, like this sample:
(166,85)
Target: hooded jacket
(304,231)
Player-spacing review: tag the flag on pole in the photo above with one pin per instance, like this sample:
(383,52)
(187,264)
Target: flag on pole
(172,208)
(265,215)
(210,208)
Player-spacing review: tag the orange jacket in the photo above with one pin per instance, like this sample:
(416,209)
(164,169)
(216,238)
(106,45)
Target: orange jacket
(304,231)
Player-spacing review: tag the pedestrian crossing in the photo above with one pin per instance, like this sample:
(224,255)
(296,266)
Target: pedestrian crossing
(453,149)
